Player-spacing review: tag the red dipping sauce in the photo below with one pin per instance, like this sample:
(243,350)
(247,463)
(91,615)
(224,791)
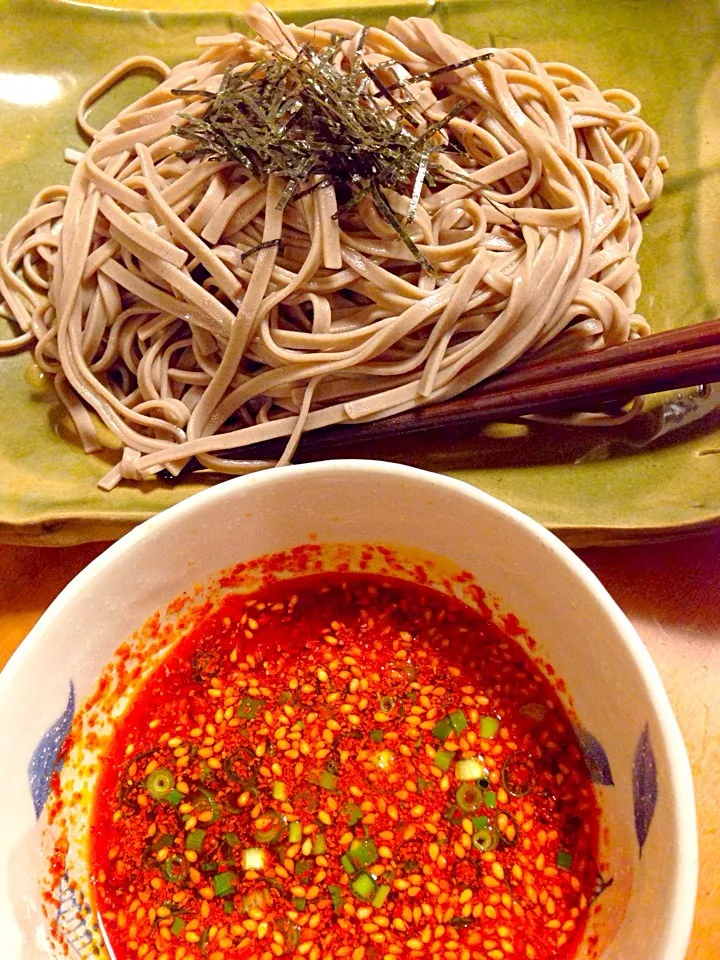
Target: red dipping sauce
(344,765)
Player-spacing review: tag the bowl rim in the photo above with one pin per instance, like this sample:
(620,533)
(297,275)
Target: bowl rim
(685,877)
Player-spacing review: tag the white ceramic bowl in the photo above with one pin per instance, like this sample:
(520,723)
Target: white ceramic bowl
(626,726)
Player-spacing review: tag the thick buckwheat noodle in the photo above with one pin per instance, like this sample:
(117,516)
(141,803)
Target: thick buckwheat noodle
(132,286)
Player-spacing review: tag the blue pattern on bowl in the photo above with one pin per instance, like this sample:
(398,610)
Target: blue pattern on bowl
(74,920)
(645,786)
(595,756)
(45,761)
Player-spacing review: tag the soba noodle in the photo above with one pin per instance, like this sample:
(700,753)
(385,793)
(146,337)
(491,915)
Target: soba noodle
(146,299)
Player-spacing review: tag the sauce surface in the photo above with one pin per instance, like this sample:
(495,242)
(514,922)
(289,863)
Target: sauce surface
(344,766)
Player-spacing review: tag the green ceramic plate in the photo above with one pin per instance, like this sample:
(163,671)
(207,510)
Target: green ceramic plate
(591,487)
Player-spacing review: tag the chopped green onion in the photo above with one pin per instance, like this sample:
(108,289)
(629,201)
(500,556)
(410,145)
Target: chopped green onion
(299,903)
(485,839)
(204,802)
(336,895)
(452,813)
(307,798)
(285,697)
(458,720)
(480,823)
(490,799)
(248,708)
(166,840)
(276,885)
(175,798)
(319,846)
(423,784)
(363,852)
(353,812)
(228,907)
(178,925)
(469,797)
(328,781)
(381,896)
(194,840)
(279,791)
(231,839)
(443,728)
(407,671)
(239,775)
(160,783)
(564,860)
(443,759)
(470,769)
(253,858)
(257,900)
(302,866)
(269,826)
(516,775)
(364,886)
(290,932)
(224,883)
(174,869)
(295,832)
(376,735)
(347,865)
(489,726)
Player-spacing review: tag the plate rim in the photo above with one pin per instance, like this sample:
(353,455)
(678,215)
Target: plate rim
(52,525)
(71,528)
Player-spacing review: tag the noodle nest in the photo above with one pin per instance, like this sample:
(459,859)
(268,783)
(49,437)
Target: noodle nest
(175,300)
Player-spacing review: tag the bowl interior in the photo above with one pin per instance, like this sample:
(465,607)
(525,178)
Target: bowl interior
(625,724)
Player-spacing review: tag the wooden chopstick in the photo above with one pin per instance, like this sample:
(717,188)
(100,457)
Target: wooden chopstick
(655,346)
(670,360)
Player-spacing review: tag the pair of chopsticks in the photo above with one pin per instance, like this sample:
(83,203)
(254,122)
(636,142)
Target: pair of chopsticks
(670,360)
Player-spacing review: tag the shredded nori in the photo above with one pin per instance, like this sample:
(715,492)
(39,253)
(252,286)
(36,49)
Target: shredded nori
(301,118)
